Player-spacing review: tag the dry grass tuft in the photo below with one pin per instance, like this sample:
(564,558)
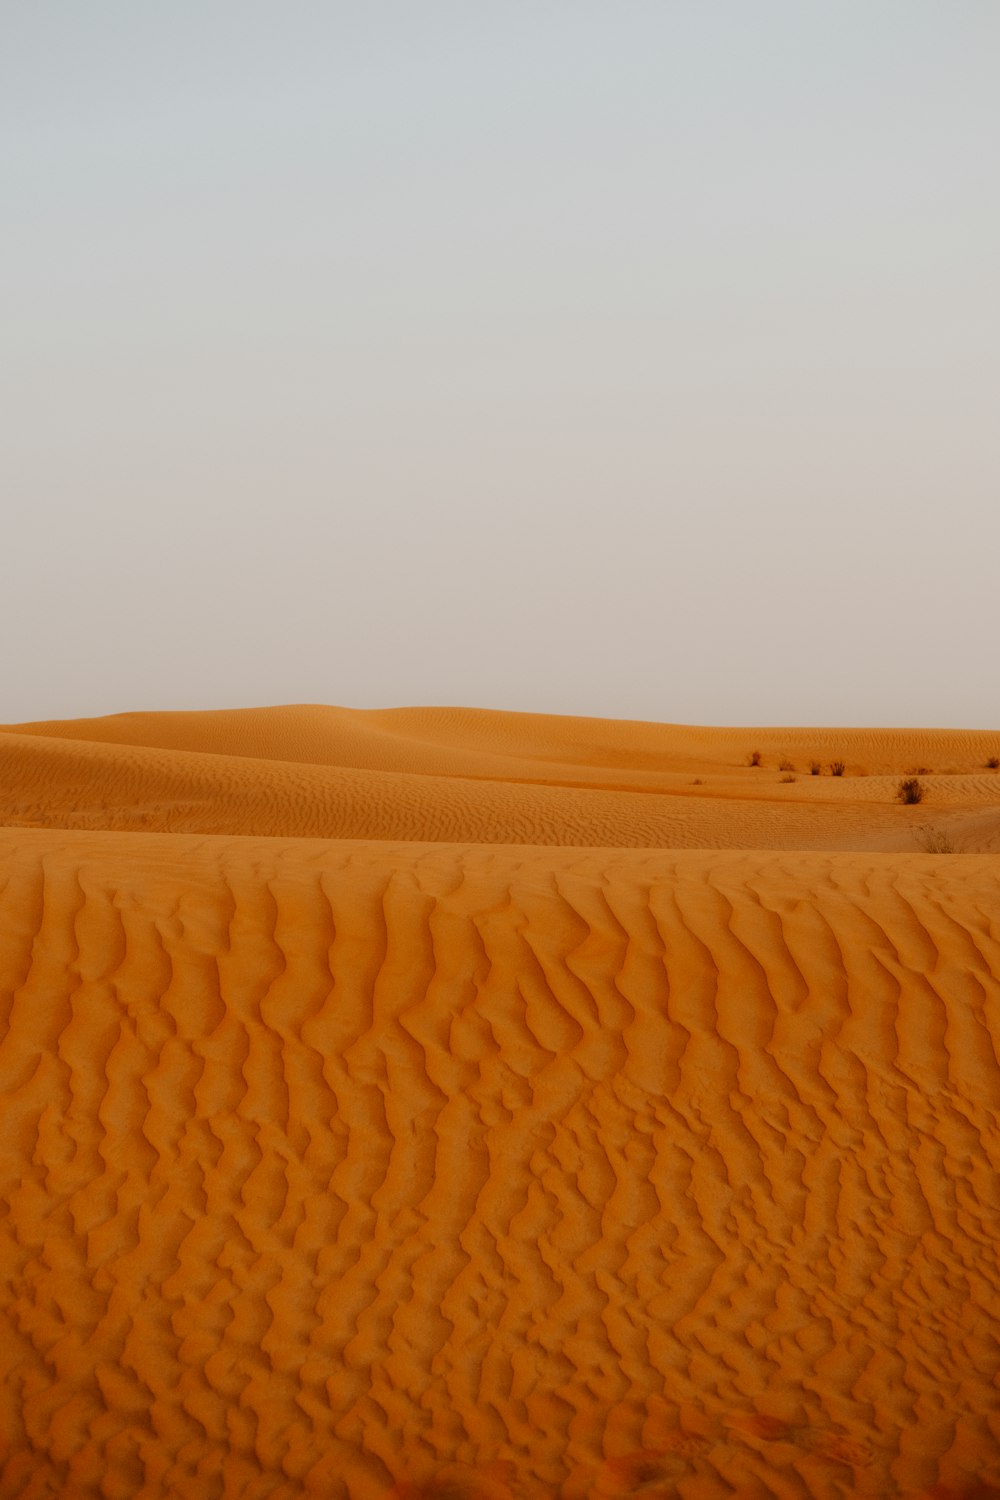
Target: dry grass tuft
(933,841)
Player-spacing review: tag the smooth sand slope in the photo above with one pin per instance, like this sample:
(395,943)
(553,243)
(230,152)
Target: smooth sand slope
(477,777)
(440,1168)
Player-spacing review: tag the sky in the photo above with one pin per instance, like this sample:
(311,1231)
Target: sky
(633,360)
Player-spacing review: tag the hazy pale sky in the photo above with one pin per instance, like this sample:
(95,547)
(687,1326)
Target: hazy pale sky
(635,359)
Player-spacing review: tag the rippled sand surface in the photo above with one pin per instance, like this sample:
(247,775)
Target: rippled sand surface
(405,1105)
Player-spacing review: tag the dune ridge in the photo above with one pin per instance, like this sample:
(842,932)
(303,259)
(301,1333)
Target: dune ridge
(432,775)
(331,1166)
(466,741)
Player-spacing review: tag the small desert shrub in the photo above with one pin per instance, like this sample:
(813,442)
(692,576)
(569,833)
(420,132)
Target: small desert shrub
(788,778)
(785,765)
(753,759)
(814,768)
(697,781)
(909,790)
(837,768)
(993,762)
(933,841)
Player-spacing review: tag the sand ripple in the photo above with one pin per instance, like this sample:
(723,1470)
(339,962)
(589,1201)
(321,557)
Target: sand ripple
(351,1169)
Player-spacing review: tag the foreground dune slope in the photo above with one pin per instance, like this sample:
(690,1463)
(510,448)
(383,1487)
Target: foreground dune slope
(346,1169)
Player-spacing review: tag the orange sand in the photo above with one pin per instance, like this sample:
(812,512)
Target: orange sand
(403,1105)
(471,776)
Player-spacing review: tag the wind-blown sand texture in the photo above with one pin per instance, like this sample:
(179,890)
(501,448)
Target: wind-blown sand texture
(402,1105)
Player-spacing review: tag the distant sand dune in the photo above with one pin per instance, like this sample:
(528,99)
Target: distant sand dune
(348,775)
(483,742)
(328,1166)
(474,1135)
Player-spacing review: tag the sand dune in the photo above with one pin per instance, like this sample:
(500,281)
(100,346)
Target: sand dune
(483,742)
(434,1166)
(449,776)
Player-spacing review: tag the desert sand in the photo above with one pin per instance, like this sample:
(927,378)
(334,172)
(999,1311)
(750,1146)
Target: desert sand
(460,1105)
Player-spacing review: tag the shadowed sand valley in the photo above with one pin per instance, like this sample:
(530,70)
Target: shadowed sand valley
(459,1105)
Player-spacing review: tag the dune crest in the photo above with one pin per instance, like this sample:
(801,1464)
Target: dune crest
(477,777)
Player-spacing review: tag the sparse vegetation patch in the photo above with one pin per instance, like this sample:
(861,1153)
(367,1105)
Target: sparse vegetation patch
(910,790)
(993,762)
(837,768)
(754,758)
(933,841)
(814,768)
